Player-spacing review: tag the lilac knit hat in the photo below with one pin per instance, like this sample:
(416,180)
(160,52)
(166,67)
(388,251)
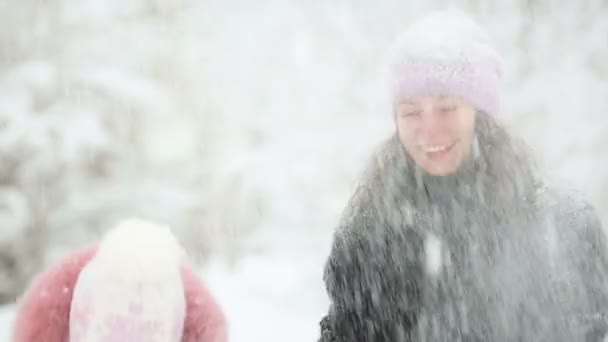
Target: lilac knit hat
(446,53)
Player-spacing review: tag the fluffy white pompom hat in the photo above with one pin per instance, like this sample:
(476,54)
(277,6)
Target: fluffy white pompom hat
(132,289)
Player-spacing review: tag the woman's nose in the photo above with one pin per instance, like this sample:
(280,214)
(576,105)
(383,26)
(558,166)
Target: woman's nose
(431,121)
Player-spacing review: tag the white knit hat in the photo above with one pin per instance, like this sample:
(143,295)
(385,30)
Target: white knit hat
(132,289)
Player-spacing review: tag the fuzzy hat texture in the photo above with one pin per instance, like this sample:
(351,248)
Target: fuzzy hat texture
(446,53)
(132,289)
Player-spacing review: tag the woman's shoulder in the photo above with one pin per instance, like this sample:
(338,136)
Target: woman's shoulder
(570,210)
(564,199)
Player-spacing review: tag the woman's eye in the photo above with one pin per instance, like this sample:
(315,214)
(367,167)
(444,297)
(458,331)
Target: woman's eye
(447,109)
(409,114)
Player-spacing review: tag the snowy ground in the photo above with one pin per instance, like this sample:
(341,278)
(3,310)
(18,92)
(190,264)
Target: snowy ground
(277,295)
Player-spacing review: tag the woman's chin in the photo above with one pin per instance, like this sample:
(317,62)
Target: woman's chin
(441,163)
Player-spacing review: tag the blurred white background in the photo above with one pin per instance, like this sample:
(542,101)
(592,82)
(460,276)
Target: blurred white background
(244,125)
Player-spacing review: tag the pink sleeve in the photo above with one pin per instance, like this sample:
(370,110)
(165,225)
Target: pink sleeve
(205,321)
(43,311)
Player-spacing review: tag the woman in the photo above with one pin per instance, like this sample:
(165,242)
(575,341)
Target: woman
(133,287)
(452,235)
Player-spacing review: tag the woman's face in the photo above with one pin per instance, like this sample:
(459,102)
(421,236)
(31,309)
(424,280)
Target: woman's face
(436,131)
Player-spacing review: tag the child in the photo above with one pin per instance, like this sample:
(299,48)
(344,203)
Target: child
(134,286)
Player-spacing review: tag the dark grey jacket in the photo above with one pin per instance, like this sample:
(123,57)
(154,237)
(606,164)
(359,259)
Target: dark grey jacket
(417,258)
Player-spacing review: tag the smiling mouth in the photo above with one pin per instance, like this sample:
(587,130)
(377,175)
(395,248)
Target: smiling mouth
(435,149)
